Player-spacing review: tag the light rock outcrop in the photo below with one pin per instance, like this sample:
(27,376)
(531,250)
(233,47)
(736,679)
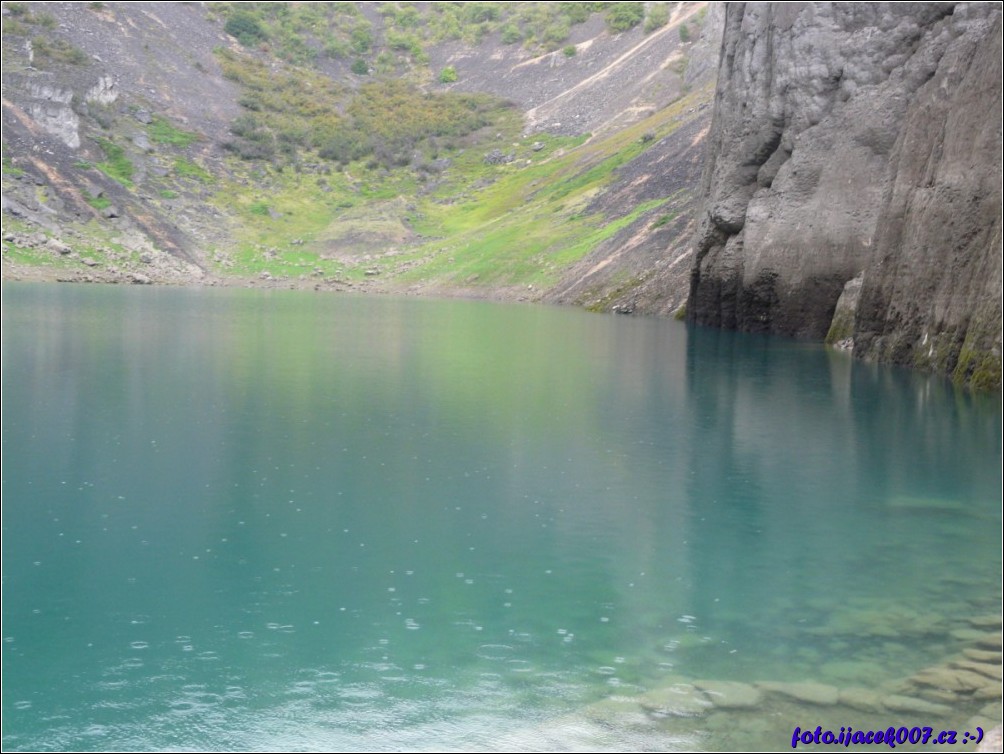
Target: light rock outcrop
(858,142)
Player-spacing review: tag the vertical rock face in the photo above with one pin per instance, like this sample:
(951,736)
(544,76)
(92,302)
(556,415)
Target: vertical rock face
(858,145)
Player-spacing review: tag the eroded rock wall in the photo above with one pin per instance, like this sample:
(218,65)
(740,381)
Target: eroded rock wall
(858,145)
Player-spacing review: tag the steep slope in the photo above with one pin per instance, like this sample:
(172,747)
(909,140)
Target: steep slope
(142,142)
(853,181)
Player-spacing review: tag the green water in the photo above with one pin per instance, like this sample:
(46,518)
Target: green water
(246,520)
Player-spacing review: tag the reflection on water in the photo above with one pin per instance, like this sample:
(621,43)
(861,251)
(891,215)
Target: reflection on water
(281,520)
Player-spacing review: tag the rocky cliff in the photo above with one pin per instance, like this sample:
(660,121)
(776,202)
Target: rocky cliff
(852,189)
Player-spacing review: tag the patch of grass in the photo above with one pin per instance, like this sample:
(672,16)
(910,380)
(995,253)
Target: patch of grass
(168,194)
(98,202)
(117,165)
(187,169)
(259,208)
(667,218)
(9,168)
(163,132)
(59,51)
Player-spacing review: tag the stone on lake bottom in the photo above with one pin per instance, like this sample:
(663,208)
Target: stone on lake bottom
(679,700)
(988,692)
(993,672)
(811,693)
(863,700)
(730,694)
(983,655)
(897,703)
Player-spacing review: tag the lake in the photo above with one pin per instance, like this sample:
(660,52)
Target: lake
(288,520)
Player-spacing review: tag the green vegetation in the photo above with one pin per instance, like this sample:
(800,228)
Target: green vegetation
(667,218)
(444,218)
(684,33)
(658,16)
(98,202)
(117,165)
(360,67)
(300,111)
(187,169)
(448,75)
(9,168)
(168,194)
(307,33)
(163,132)
(245,28)
(569,51)
(624,16)
(49,51)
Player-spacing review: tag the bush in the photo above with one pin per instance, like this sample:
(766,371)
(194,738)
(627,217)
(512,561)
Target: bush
(570,51)
(477,13)
(58,51)
(684,33)
(658,16)
(361,40)
(624,16)
(511,34)
(448,75)
(245,28)
(360,67)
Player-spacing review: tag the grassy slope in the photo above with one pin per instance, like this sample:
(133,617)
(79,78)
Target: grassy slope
(306,220)
(525,224)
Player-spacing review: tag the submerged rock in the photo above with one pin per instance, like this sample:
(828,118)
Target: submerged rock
(678,700)
(730,694)
(993,672)
(809,692)
(986,621)
(861,699)
(983,655)
(897,703)
(949,679)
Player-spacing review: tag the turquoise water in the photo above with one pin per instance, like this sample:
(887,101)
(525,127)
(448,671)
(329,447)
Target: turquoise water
(250,520)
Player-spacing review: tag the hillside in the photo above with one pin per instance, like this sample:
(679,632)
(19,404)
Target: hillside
(520,150)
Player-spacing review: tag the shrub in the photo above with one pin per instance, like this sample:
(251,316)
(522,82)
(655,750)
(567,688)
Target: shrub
(361,40)
(360,67)
(658,16)
(569,51)
(511,34)
(448,75)
(58,51)
(624,16)
(245,28)
(684,33)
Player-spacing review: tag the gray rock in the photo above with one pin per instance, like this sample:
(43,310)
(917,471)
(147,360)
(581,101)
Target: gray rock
(856,138)
(89,261)
(139,278)
(110,211)
(54,244)
(143,116)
